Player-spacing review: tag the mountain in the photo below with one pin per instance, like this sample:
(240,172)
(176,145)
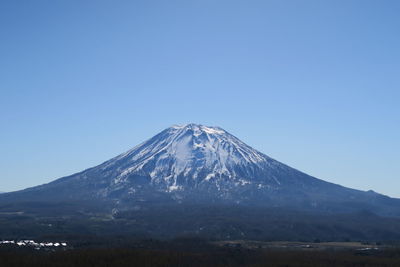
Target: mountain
(201,180)
(201,164)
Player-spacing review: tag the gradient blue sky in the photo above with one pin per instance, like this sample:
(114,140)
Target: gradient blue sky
(314,84)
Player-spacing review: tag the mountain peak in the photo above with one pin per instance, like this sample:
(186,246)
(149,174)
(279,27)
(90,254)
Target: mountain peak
(196,128)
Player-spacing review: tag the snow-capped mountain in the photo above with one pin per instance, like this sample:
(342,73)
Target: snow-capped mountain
(199,180)
(195,163)
(191,155)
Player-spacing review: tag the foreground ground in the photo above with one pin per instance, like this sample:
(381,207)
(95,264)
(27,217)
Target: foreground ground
(200,253)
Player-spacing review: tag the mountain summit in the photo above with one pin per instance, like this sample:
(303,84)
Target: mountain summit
(191,155)
(194,163)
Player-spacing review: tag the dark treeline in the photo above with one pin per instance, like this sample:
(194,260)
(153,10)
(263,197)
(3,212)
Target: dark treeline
(213,223)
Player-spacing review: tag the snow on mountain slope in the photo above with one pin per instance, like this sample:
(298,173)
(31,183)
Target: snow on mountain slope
(193,155)
(188,158)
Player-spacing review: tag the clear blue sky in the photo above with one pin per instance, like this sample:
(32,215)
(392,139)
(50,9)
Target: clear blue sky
(314,84)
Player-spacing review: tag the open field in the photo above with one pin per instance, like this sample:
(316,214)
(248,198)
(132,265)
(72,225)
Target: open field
(288,245)
(201,253)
